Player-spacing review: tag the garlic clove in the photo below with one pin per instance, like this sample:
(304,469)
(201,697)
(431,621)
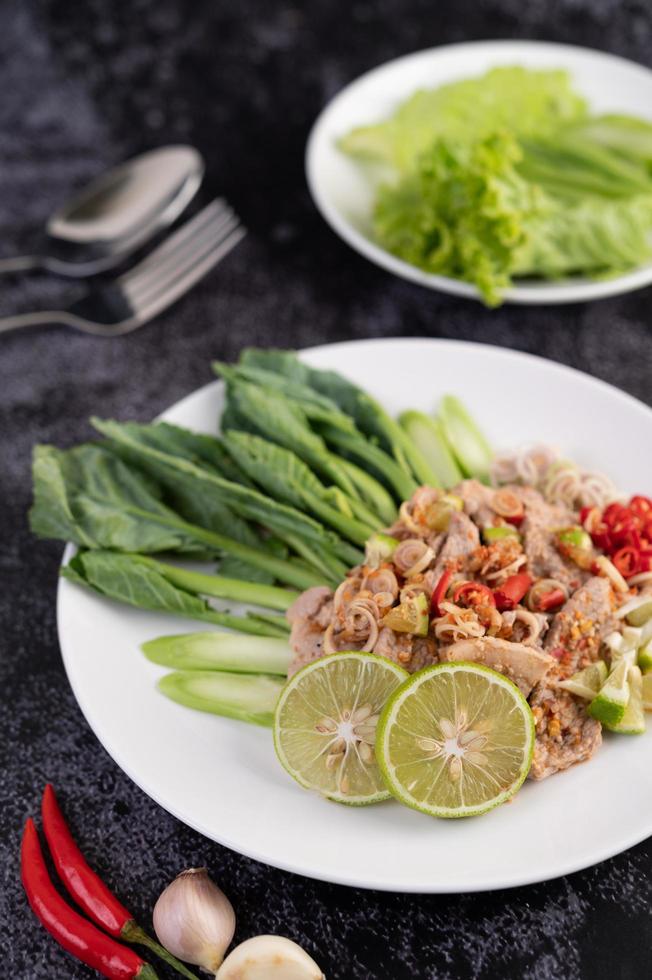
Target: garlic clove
(269,958)
(194,919)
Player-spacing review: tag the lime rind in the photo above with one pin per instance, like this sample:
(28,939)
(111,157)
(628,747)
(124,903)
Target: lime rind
(389,720)
(587,683)
(609,705)
(633,719)
(646,687)
(645,658)
(313,693)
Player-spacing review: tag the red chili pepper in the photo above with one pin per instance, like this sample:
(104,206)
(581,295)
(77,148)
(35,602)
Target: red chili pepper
(512,591)
(440,592)
(74,933)
(467,590)
(515,519)
(627,561)
(642,506)
(613,513)
(601,537)
(550,600)
(88,889)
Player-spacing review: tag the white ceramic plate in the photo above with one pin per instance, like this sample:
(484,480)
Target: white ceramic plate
(222,777)
(344,194)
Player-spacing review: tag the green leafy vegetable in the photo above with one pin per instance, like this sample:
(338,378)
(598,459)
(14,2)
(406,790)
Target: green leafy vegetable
(89,496)
(183,477)
(285,477)
(507,175)
(212,650)
(247,697)
(370,417)
(129,579)
(528,103)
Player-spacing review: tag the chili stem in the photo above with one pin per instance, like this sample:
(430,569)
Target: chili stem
(133,933)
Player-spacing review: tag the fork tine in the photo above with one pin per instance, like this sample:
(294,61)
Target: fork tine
(177,261)
(183,283)
(177,239)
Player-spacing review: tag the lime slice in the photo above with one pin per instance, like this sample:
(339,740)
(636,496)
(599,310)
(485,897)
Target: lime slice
(587,683)
(646,687)
(411,616)
(455,740)
(609,706)
(645,657)
(633,720)
(325,724)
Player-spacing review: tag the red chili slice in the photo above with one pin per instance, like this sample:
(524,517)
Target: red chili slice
(440,592)
(641,506)
(613,513)
(512,591)
(550,600)
(468,590)
(601,537)
(627,560)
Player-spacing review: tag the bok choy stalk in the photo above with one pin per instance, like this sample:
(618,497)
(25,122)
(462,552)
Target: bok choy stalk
(285,477)
(428,435)
(220,587)
(364,451)
(213,650)
(465,439)
(90,497)
(247,697)
(143,583)
(369,416)
(189,483)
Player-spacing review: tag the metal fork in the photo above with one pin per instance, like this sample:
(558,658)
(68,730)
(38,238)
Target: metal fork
(154,284)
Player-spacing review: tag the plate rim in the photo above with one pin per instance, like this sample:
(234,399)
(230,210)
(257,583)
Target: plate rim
(426,888)
(549,294)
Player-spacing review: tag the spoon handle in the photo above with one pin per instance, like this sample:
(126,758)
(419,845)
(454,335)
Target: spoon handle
(21,263)
(42,318)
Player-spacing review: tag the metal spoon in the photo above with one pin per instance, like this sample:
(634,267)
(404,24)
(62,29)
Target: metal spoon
(116,213)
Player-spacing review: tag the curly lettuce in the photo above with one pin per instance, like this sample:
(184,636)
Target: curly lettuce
(468,212)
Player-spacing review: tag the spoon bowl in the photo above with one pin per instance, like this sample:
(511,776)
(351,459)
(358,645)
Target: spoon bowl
(116,213)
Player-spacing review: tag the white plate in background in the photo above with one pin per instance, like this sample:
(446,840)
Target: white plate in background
(344,195)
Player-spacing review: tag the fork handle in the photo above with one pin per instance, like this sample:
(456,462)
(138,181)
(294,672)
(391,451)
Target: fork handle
(44,318)
(21,263)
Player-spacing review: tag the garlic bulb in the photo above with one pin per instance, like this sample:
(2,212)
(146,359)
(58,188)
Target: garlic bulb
(194,919)
(269,958)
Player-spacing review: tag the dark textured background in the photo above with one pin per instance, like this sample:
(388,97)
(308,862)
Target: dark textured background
(83,85)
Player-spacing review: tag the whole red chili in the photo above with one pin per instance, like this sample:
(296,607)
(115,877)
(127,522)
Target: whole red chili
(88,889)
(512,591)
(76,934)
(474,592)
(440,592)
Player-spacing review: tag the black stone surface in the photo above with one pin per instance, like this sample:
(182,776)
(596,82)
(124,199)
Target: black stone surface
(84,85)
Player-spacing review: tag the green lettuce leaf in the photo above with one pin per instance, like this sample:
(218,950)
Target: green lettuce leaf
(471,212)
(529,103)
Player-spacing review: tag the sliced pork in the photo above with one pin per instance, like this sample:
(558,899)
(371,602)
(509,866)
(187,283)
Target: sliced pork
(565,733)
(580,625)
(525,665)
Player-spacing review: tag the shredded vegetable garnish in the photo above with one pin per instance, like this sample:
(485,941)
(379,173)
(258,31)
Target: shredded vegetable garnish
(559,480)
